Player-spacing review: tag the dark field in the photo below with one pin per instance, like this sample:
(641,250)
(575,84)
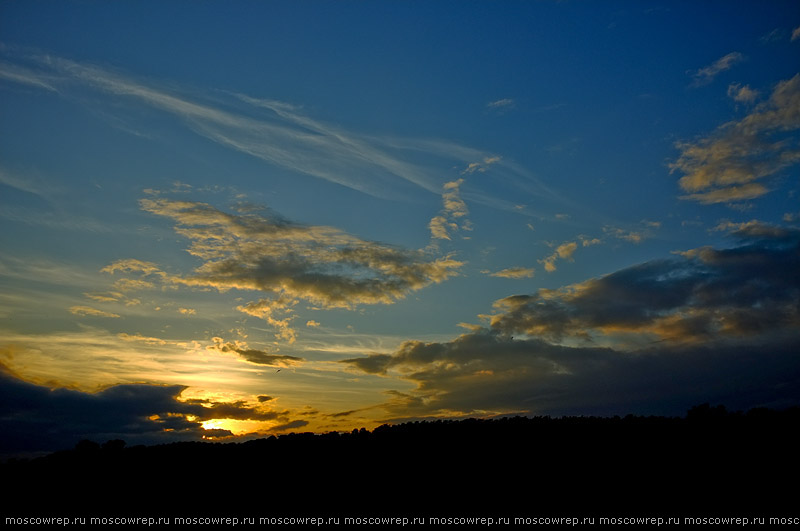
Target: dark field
(709,462)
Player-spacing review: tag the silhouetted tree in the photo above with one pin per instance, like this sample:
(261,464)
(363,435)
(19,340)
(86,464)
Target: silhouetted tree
(114,445)
(86,446)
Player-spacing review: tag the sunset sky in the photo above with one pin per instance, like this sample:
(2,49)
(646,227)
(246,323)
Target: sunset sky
(231,219)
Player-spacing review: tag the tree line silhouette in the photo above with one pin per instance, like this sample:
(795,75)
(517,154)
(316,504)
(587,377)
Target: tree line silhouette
(710,460)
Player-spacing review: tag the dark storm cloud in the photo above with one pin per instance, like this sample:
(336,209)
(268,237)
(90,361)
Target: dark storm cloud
(374,363)
(702,294)
(532,376)
(34,417)
(707,325)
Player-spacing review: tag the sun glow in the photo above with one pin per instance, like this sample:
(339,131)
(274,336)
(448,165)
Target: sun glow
(238,427)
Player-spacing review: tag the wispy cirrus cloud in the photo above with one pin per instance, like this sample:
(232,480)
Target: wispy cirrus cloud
(776,35)
(25,76)
(50,210)
(706,75)
(732,163)
(502,105)
(276,132)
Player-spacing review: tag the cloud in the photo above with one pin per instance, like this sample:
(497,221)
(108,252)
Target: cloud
(566,250)
(742,93)
(658,337)
(705,294)
(796,34)
(776,35)
(636,236)
(501,105)
(514,272)
(730,164)
(449,219)
(257,357)
(706,75)
(25,76)
(25,183)
(754,230)
(440,228)
(84,311)
(291,262)
(104,297)
(312,323)
(481,166)
(562,252)
(276,132)
(266,309)
(34,417)
(484,374)
(374,363)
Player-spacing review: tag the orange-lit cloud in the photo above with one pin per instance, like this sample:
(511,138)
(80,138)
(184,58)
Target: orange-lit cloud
(453,214)
(732,163)
(514,272)
(742,93)
(136,413)
(636,235)
(290,262)
(84,311)
(566,251)
(647,299)
(562,252)
(481,166)
(697,326)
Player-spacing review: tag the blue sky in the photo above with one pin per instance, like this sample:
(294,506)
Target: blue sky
(367,212)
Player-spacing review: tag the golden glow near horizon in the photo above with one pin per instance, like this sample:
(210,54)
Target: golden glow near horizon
(226,243)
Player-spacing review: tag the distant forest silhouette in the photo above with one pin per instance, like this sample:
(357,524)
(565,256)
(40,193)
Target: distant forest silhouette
(709,460)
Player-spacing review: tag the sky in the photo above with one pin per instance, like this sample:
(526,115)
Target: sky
(226,220)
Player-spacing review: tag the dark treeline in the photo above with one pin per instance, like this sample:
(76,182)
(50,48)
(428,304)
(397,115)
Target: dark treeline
(706,462)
